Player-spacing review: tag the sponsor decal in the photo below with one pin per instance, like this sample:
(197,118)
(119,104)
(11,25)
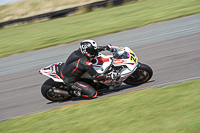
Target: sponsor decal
(118,61)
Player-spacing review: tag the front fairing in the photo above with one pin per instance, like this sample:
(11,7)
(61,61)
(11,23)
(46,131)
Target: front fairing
(127,58)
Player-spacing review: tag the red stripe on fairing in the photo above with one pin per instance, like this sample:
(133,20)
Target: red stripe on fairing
(81,84)
(76,66)
(130,63)
(57,76)
(116,47)
(118,61)
(54,74)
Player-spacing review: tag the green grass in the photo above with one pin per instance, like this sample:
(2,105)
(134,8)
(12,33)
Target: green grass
(49,33)
(171,109)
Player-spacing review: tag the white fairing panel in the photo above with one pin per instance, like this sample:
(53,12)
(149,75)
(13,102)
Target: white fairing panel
(50,71)
(100,65)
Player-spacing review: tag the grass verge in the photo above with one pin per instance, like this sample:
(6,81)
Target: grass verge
(168,109)
(49,33)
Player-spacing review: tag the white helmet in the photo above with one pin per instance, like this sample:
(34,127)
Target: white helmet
(89,48)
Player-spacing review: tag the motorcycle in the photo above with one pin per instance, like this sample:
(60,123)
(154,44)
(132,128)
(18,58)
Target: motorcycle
(123,62)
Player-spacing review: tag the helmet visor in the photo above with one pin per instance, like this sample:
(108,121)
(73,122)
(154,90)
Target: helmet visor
(92,51)
(95,53)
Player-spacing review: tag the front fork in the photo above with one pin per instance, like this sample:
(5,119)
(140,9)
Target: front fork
(139,65)
(134,74)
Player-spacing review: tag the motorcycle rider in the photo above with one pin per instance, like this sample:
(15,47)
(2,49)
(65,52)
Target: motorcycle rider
(77,64)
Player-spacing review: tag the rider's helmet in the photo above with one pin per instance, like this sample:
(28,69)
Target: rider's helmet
(89,48)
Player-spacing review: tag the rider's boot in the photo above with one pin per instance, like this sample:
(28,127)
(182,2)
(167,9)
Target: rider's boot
(75,93)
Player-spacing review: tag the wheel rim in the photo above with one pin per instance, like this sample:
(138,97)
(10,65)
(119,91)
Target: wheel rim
(142,77)
(56,97)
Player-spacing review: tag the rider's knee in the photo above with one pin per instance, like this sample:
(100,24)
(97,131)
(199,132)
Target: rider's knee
(85,89)
(90,95)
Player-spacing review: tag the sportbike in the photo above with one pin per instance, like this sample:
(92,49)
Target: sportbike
(123,62)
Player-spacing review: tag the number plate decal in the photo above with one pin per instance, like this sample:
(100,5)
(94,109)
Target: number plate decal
(133,57)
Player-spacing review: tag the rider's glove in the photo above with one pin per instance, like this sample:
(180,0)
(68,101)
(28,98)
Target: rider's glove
(109,47)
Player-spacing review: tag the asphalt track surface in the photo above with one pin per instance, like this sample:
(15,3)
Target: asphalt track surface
(171,48)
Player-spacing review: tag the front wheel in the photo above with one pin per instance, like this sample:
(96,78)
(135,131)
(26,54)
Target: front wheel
(142,74)
(49,88)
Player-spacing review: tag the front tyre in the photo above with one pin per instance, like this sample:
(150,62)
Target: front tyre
(142,74)
(48,92)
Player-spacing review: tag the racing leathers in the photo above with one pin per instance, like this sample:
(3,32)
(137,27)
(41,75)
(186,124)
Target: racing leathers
(72,70)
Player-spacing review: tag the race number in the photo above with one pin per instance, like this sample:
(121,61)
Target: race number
(133,57)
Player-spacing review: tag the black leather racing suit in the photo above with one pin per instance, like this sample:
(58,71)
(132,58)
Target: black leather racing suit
(74,67)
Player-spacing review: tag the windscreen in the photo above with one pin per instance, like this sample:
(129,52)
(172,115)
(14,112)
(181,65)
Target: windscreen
(119,53)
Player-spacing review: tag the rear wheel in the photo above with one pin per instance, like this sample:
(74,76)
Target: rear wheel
(48,91)
(141,75)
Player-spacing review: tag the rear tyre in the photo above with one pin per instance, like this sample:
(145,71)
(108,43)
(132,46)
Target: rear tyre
(47,91)
(141,75)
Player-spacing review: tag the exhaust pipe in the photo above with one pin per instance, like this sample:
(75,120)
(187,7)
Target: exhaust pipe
(59,91)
